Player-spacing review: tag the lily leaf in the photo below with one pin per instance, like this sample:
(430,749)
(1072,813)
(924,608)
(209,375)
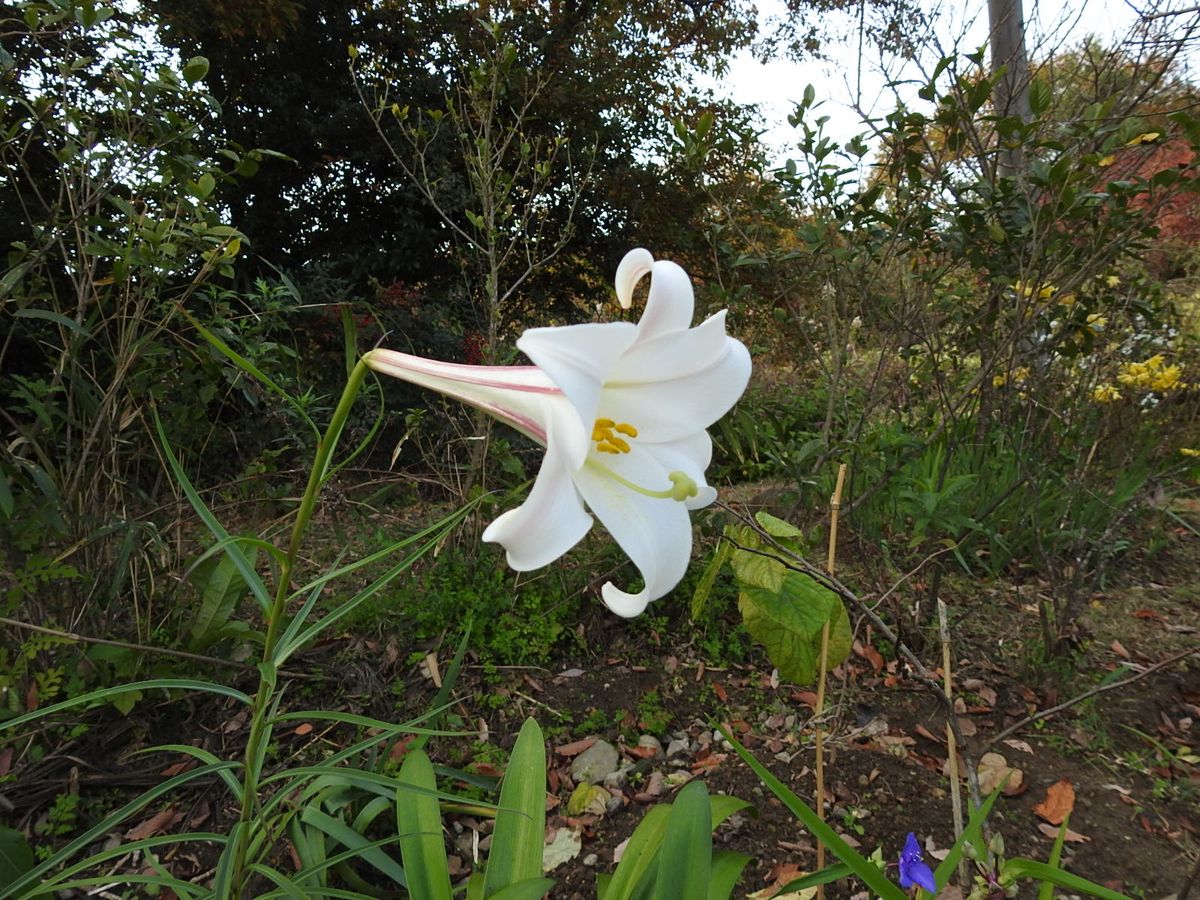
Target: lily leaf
(788,623)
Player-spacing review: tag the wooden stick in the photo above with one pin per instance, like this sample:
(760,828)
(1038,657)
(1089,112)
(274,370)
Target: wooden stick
(835,503)
(951,742)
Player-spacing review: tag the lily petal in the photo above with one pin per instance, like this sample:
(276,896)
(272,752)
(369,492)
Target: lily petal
(633,267)
(671,303)
(655,534)
(551,520)
(673,408)
(577,358)
(512,394)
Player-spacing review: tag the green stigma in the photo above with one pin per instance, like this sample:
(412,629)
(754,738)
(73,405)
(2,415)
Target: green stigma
(682,486)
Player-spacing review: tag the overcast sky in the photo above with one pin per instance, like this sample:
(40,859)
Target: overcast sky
(842,81)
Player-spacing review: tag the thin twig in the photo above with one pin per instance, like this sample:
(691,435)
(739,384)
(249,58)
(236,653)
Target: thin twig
(143,648)
(1067,704)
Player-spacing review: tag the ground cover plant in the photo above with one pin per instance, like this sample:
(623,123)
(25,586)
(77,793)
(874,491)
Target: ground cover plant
(376,522)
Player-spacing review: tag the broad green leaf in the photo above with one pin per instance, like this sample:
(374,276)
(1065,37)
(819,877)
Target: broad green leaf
(639,854)
(685,861)
(788,623)
(16,857)
(520,831)
(419,824)
(195,69)
(784,532)
(222,587)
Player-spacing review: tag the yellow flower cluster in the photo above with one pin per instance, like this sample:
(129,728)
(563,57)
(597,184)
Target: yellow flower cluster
(1042,292)
(1019,376)
(1106,393)
(1152,375)
(1189,451)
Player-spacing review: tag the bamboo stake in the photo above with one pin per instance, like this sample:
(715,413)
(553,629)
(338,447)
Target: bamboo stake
(951,744)
(835,503)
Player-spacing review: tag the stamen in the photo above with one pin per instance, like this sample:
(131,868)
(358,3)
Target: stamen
(607,441)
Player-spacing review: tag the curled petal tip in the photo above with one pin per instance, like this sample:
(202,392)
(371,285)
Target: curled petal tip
(635,264)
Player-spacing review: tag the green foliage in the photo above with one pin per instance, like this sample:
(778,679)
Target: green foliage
(672,847)
(783,609)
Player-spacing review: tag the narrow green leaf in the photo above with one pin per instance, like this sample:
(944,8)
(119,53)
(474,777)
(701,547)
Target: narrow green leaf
(419,824)
(1046,891)
(186,684)
(972,833)
(827,875)
(862,867)
(106,824)
(520,831)
(685,861)
(705,585)
(232,549)
(51,316)
(348,837)
(1029,868)
(530,889)
(726,870)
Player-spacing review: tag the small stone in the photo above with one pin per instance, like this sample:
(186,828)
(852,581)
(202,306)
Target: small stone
(595,763)
(591,859)
(676,747)
(650,742)
(789,722)
(618,779)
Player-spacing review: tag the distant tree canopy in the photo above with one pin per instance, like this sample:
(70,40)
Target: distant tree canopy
(617,74)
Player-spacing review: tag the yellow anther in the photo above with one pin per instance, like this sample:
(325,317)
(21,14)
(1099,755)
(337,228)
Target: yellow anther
(605,423)
(620,443)
(601,434)
(606,447)
(626,429)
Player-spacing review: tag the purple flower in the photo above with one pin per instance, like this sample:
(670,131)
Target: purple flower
(912,867)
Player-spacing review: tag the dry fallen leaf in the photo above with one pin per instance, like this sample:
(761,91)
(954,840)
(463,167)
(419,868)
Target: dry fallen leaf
(1119,649)
(302,729)
(1060,800)
(1019,745)
(1051,831)
(575,747)
(156,824)
(994,769)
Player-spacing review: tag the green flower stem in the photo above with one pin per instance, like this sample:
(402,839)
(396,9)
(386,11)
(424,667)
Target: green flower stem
(260,730)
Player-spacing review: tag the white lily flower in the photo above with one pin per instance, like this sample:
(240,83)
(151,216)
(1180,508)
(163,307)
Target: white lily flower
(622,411)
